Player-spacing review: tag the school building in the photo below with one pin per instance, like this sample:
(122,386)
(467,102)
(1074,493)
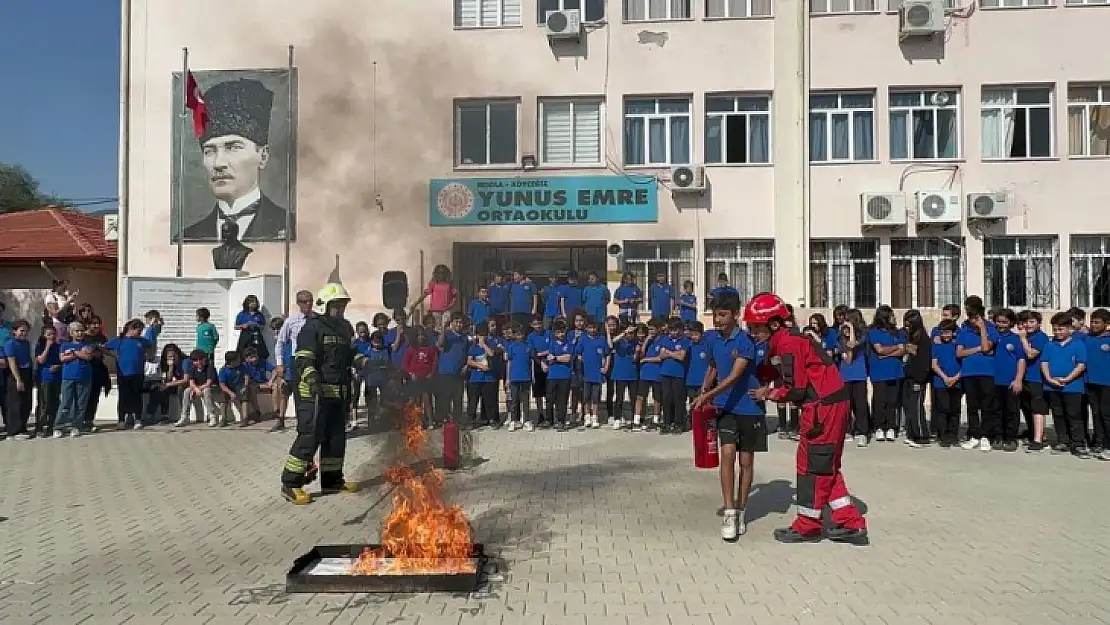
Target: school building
(907,152)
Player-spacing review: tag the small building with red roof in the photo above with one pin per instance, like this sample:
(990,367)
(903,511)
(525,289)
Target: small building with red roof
(38,246)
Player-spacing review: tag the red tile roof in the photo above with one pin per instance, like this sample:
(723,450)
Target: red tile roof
(53,234)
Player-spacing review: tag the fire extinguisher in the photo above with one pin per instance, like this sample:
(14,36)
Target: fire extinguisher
(705,438)
(451,445)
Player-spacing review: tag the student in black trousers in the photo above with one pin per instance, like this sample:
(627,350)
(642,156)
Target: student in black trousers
(918,372)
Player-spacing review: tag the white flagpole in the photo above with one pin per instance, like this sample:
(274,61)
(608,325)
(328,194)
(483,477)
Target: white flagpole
(183,127)
(290,183)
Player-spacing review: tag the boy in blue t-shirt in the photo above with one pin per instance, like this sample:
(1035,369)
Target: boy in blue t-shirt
(946,384)
(688,302)
(1009,374)
(623,371)
(1033,402)
(552,300)
(976,341)
(592,353)
(259,376)
(153,329)
(481,382)
(538,339)
(661,297)
(1098,380)
(518,370)
(673,350)
(595,297)
(650,362)
(233,386)
(77,376)
(21,380)
(571,293)
(1063,363)
(49,359)
(448,382)
(697,360)
(560,357)
(498,296)
(480,308)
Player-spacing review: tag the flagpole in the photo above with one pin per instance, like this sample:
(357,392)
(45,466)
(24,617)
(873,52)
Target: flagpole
(181,130)
(290,183)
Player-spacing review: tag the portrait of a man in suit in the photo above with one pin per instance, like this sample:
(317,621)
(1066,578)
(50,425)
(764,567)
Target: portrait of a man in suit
(236,151)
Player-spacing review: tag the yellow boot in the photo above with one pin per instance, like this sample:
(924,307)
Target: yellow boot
(345,487)
(296,496)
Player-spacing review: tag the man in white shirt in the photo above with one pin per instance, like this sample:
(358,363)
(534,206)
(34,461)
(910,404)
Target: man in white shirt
(286,338)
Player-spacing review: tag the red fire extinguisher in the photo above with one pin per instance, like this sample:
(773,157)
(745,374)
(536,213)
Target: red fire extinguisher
(451,445)
(705,438)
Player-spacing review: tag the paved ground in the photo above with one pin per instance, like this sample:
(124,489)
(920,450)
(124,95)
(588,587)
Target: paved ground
(589,528)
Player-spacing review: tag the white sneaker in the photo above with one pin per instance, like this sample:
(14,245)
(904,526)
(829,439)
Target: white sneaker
(512,426)
(528,427)
(139,425)
(861,441)
(912,444)
(984,444)
(594,423)
(212,423)
(880,435)
(58,434)
(181,423)
(615,423)
(75,433)
(636,422)
(22,437)
(741,526)
(971,443)
(891,435)
(730,525)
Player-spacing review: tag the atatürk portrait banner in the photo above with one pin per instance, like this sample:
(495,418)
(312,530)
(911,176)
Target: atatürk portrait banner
(243,166)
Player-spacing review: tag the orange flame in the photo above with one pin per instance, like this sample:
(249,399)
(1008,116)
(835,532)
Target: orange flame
(422,534)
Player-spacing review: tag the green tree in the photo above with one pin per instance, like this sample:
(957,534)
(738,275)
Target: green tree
(20,191)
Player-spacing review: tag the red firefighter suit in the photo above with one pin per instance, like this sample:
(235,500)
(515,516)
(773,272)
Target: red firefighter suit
(809,378)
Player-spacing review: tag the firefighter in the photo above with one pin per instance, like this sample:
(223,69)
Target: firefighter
(323,361)
(808,377)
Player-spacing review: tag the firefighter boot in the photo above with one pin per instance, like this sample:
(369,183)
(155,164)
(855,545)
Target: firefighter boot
(296,496)
(790,536)
(345,487)
(310,473)
(856,537)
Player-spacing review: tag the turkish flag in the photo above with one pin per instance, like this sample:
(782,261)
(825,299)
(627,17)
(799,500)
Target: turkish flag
(194,101)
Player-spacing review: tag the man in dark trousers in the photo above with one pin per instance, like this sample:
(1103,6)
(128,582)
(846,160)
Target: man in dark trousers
(808,376)
(236,148)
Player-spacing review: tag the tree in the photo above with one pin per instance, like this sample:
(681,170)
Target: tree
(20,191)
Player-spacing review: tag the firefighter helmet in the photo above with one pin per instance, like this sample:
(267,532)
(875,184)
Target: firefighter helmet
(764,307)
(332,292)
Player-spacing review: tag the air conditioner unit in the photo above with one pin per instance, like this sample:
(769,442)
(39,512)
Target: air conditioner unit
(563,24)
(986,206)
(883,209)
(688,179)
(938,207)
(921,18)
(111,227)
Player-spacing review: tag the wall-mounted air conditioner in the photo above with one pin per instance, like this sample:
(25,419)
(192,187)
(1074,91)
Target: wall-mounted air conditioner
(883,209)
(565,24)
(938,207)
(920,18)
(688,179)
(987,206)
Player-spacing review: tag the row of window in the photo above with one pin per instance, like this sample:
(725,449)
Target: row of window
(502,13)
(1019,272)
(925,125)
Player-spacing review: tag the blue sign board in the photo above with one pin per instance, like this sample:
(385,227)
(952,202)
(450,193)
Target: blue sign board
(543,201)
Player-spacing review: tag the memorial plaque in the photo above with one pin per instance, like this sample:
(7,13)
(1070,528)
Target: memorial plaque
(178,301)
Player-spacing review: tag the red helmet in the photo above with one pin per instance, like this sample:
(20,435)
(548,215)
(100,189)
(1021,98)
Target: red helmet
(764,307)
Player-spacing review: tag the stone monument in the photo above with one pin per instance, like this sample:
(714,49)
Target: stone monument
(231,254)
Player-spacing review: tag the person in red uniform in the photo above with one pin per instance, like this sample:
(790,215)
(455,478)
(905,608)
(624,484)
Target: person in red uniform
(808,377)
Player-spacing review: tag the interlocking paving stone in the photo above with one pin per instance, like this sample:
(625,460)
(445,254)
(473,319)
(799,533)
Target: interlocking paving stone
(180,527)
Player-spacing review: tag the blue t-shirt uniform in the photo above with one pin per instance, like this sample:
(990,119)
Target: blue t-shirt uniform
(660,298)
(697,359)
(592,350)
(627,292)
(624,361)
(519,355)
(572,297)
(1037,341)
(595,300)
(884,368)
(672,368)
(539,342)
(499,298)
(232,377)
(200,377)
(479,311)
(718,291)
(452,357)
(724,351)
(1007,354)
(521,297)
(1062,358)
(552,295)
(831,341)
(945,355)
(976,364)
(688,307)
(53,359)
(478,376)
(649,371)
(259,373)
(855,368)
(78,370)
(398,354)
(1098,359)
(559,370)
(378,363)
(20,349)
(130,354)
(287,357)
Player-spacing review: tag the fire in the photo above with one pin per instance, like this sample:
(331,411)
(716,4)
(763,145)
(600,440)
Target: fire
(422,534)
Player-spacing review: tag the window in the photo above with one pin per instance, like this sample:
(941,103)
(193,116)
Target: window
(1090,270)
(737,129)
(841,127)
(926,272)
(843,6)
(485,132)
(657,131)
(924,125)
(749,266)
(1089,120)
(645,259)
(737,8)
(570,132)
(593,11)
(1087,2)
(1017,123)
(1013,4)
(487,13)
(844,272)
(1020,272)
(895,5)
(645,10)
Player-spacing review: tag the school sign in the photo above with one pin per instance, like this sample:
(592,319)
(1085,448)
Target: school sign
(543,201)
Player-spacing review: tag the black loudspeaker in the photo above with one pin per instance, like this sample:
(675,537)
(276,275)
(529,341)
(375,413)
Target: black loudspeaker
(395,290)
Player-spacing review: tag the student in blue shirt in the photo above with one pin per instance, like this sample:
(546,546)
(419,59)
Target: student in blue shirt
(822,333)
(571,294)
(480,307)
(648,357)
(851,357)
(661,297)
(624,373)
(481,383)
(21,380)
(524,299)
(397,340)
(1063,363)
(48,359)
(577,385)
(232,394)
(595,297)
(77,376)
(251,324)
(538,340)
(1097,342)
(697,361)
(559,364)
(1033,402)
(130,350)
(453,345)
(552,300)
(592,353)
(200,391)
(1009,375)
(673,349)
(628,298)
(375,373)
(611,330)
(259,377)
(975,346)
(946,384)
(723,287)
(688,302)
(951,312)
(518,359)
(153,320)
(498,295)
(884,360)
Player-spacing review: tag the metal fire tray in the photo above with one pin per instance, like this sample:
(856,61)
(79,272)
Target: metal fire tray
(302,579)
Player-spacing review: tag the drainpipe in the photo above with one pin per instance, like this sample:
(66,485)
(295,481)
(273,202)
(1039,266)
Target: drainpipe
(124,213)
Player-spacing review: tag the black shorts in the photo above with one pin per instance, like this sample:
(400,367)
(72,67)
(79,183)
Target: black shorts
(1033,399)
(646,386)
(592,393)
(747,433)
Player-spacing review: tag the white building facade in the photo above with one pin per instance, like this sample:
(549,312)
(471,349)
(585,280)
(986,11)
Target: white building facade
(811,128)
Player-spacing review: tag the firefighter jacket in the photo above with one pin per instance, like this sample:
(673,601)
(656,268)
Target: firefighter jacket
(324,357)
(804,370)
